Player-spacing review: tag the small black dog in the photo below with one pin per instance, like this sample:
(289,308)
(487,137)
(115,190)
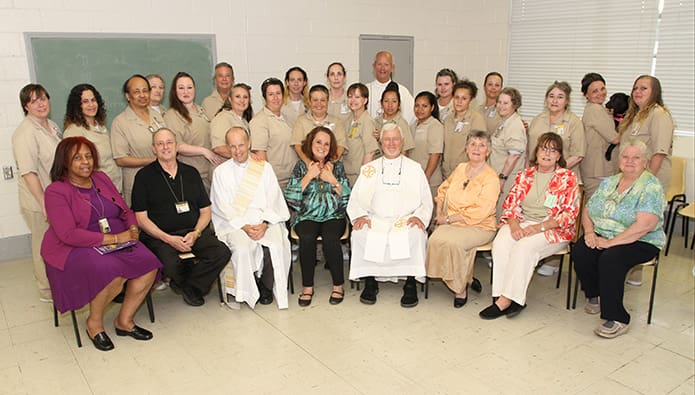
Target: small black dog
(617,105)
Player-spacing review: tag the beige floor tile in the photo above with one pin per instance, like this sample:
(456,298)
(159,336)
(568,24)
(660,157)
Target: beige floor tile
(11,379)
(686,388)
(667,370)
(608,386)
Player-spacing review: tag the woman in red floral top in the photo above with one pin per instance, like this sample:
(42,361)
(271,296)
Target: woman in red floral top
(538,220)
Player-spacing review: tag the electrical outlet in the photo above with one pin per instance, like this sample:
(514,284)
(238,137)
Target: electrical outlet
(7,172)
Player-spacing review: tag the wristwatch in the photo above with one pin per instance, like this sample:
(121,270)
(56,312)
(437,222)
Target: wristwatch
(503,177)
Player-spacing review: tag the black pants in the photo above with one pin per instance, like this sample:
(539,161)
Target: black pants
(330,231)
(211,255)
(602,273)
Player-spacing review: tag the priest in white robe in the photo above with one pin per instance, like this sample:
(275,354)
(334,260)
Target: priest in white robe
(389,208)
(249,214)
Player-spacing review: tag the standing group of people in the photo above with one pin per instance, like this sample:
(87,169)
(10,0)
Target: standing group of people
(320,159)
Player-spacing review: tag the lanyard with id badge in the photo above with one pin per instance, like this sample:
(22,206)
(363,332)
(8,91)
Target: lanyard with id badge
(181,206)
(103,221)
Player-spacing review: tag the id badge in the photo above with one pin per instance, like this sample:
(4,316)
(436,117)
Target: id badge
(492,113)
(560,129)
(182,207)
(344,109)
(459,127)
(550,201)
(104,225)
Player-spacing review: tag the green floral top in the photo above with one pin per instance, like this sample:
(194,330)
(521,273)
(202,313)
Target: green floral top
(613,212)
(318,202)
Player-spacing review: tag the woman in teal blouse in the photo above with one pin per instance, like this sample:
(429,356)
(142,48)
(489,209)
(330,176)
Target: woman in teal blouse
(319,195)
(623,227)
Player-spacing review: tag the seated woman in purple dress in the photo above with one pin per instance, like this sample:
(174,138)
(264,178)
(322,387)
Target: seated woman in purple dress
(85,211)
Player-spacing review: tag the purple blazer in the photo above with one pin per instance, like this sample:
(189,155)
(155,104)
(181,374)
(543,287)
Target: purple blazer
(68,217)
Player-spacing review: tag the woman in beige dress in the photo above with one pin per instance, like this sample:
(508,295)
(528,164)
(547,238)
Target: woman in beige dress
(599,131)
(428,134)
(192,128)
(337,97)
(492,85)
(457,127)
(359,126)
(465,216)
(236,112)
(85,115)
(296,99)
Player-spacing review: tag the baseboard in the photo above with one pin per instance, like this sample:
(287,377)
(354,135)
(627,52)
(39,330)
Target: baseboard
(15,247)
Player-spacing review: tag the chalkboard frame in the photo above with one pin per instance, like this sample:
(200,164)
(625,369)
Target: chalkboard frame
(112,94)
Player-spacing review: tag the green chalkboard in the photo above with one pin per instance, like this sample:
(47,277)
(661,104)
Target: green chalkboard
(60,61)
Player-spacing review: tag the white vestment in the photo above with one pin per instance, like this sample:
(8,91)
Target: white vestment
(267,204)
(376,89)
(389,192)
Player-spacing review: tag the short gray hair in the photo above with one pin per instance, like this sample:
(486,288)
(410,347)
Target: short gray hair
(156,132)
(633,142)
(388,126)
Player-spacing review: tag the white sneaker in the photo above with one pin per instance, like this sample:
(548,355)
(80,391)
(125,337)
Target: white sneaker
(161,286)
(45,300)
(547,270)
(634,283)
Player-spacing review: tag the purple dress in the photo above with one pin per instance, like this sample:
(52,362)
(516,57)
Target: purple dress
(87,272)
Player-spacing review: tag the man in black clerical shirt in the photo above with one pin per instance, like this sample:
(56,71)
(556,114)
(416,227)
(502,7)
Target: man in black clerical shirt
(173,210)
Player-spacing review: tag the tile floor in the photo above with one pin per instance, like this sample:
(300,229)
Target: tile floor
(357,349)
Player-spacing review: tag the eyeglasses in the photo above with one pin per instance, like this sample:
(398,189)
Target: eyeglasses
(549,150)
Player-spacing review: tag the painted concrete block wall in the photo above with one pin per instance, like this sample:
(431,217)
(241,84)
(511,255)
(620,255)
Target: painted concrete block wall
(260,39)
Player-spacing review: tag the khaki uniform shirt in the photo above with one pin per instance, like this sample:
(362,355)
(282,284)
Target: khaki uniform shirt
(102,140)
(212,104)
(429,139)
(569,127)
(222,122)
(599,131)
(131,137)
(456,133)
(272,134)
(291,114)
(445,111)
(339,108)
(360,141)
(307,122)
(656,131)
(509,138)
(492,119)
(34,148)
(408,141)
(196,133)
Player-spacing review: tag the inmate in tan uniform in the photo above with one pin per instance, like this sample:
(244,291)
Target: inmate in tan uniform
(307,122)
(509,138)
(569,127)
(599,131)
(429,139)
(272,134)
(456,133)
(197,133)
(492,119)
(212,104)
(408,141)
(293,110)
(360,141)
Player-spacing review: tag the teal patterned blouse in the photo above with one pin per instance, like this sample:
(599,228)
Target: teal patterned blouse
(318,202)
(613,212)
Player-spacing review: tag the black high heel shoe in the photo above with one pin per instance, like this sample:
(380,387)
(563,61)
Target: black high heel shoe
(460,302)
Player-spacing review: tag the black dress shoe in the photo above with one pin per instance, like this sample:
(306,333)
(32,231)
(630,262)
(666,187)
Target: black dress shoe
(514,309)
(371,289)
(476,285)
(460,302)
(101,341)
(175,287)
(409,298)
(192,297)
(491,312)
(265,298)
(136,333)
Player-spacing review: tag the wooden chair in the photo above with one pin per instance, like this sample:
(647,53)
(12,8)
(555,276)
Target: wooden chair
(653,262)
(344,239)
(687,211)
(76,328)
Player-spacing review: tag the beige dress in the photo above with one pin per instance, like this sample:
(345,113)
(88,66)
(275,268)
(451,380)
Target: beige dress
(197,133)
(656,131)
(569,127)
(272,134)
(456,133)
(131,137)
(451,248)
(360,141)
(509,138)
(429,139)
(599,131)
(102,140)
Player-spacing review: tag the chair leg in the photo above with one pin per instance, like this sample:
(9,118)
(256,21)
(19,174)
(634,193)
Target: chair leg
(569,282)
(651,295)
(55,316)
(668,215)
(685,234)
(76,328)
(670,233)
(427,287)
(220,293)
(576,290)
(290,279)
(559,272)
(492,266)
(150,306)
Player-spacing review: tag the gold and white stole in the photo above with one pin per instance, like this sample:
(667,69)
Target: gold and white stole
(247,187)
